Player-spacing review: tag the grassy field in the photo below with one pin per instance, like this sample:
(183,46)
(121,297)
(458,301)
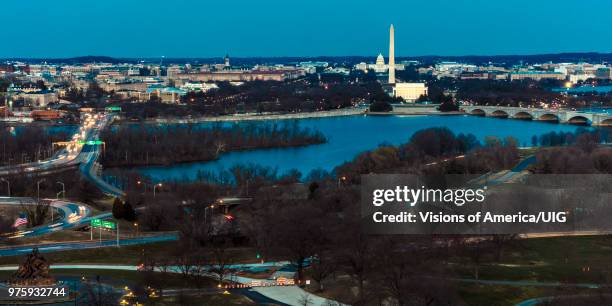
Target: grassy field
(566,260)
(584,259)
(128,255)
(488,295)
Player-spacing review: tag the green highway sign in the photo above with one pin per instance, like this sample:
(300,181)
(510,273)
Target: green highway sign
(96,222)
(103,224)
(91,142)
(113,109)
(108,224)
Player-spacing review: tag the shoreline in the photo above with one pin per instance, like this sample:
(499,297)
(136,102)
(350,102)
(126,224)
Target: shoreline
(396,113)
(259,117)
(291,116)
(134,166)
(36,123)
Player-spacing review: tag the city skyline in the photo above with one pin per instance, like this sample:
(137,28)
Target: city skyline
(189,29)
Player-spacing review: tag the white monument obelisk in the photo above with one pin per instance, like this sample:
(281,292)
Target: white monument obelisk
(391,56)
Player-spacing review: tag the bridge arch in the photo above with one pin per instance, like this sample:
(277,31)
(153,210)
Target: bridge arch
(549,117)
(499,114)
(606,122)
(478,112)
(579,120)
(523,116)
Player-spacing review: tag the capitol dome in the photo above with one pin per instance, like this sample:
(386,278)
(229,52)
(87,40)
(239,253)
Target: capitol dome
(380,60)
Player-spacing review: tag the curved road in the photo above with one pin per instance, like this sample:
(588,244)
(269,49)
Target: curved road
(69,156)
(72,214)
(73,155)
(81,245)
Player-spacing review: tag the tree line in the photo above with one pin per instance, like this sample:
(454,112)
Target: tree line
(569,138)
(27,144)
(128,145)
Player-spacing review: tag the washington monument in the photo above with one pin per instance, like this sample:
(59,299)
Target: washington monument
(391,56)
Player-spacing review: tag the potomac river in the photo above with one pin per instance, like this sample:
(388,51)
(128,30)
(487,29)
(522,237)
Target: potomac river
(350,135)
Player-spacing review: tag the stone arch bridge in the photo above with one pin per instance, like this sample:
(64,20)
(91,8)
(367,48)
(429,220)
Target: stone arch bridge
(551,115)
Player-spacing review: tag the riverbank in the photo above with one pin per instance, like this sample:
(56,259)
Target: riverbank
(415,110)
(36,123)
(182,143)
(210,159)
(350,135)
(400,113)
(263,116)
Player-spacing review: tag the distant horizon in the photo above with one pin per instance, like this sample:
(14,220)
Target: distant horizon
(305,56)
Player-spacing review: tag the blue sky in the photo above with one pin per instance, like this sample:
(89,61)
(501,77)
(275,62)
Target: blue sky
(201,28)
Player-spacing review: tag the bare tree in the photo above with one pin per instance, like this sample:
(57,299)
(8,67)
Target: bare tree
(299,231)
(322,266)
(156,270)
(196,227)
(255,222)
(95,293)
(160,212)
(475,250)
(356,256)
(222,260)
(37,213)
(500,242)
(411,275)
(6,226)
(185,262)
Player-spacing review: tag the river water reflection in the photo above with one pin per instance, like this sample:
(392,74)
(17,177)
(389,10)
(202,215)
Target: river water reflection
(351,135)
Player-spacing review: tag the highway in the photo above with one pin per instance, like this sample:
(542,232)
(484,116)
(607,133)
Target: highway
(90,153)
(70,156)
(79,152)
(82,245)
(71,215)
(88,170)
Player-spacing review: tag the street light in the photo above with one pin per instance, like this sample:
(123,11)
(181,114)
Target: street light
(342,178)
(144,184)
(247,187)
(136,225)
(155,186)
(8,185)
(38,189)
(63,189)
(38,196)
(206,212)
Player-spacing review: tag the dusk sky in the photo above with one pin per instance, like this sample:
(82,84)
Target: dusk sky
(243,28)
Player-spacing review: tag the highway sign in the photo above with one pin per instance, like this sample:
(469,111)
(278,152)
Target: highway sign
(91,142)
(96,222)
(113,109)
(108,224)
(103,224)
